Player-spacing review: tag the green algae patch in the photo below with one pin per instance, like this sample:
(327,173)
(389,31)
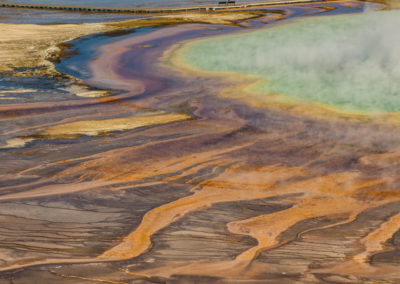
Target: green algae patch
(348,62)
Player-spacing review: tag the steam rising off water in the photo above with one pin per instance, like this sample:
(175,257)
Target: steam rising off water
(351,62)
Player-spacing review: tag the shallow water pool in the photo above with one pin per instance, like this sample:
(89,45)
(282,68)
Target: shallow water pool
(351,62)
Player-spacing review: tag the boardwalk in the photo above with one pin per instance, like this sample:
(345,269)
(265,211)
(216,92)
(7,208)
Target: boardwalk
(153,10)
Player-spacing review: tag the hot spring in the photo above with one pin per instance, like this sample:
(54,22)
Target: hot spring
(349,62)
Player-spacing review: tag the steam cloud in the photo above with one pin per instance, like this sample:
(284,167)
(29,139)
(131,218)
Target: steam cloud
(348,61)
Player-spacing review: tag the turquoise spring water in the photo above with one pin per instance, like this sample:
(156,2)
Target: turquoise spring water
(350,62)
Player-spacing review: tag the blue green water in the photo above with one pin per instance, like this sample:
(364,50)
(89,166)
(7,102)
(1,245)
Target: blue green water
(351,62)
(86,49)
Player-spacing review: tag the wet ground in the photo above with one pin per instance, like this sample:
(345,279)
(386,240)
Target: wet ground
(196,186)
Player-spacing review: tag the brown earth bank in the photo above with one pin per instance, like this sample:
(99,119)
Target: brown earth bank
(174,182)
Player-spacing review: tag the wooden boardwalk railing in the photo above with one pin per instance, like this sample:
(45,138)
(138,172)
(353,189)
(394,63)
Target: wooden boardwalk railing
(152,10)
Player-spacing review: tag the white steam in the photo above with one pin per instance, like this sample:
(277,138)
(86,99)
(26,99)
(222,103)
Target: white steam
(348,61)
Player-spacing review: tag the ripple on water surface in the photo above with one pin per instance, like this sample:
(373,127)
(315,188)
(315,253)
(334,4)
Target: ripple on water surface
(351,62)
(47,17)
